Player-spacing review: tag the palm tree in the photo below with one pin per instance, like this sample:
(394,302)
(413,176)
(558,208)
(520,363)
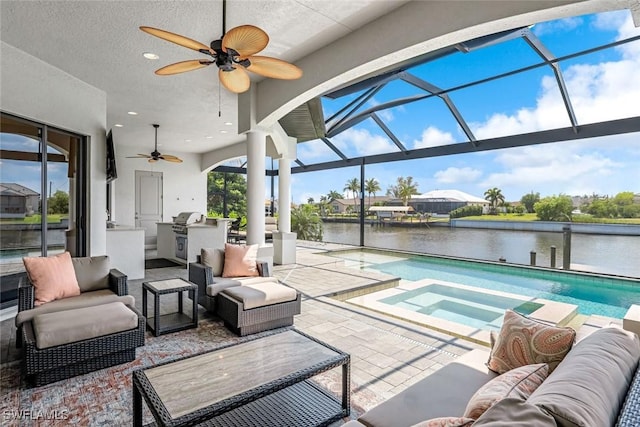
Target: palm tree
(353,185)
(306,223)
(371,186)
(310,200)
(334,195)
(403,189)
(495,198)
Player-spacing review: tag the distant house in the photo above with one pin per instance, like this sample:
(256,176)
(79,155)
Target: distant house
(339,206)
(17,201)
(442,201)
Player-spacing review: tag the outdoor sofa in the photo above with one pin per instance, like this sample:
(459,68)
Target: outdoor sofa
(597,384)
(73,335)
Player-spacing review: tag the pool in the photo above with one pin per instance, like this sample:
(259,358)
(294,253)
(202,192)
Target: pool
(593,294)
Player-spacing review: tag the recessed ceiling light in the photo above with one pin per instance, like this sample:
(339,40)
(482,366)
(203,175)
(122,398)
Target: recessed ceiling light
(187,140)
(209,137)
(118,125)
(150,55)
(132,113)
(223,131)
(228,123)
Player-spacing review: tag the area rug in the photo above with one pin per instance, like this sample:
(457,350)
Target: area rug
(104,397)
(160,263)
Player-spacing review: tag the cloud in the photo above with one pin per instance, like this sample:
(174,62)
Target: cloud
(361,142)
(433,137)
(598,92)
(558,26)
(455,175)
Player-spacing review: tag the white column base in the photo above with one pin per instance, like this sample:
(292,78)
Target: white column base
(284,248)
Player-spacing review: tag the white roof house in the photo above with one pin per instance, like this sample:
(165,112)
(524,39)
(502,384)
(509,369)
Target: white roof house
(451,196)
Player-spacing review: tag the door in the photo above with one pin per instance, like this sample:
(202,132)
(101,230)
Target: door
(149,204)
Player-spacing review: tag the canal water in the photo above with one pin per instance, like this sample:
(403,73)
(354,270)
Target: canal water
(608,254)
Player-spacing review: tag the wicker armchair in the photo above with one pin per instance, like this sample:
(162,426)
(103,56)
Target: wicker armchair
(202,276)
(117,290)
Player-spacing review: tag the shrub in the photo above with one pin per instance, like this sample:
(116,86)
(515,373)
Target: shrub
(466,211)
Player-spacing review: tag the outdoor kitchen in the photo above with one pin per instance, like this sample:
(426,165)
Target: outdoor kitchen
(182,239)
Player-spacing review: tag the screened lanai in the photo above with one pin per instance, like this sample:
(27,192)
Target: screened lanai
(569,81)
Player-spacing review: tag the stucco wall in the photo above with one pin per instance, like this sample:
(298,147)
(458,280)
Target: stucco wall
(38,91)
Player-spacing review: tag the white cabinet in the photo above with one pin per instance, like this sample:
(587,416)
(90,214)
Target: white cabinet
(125,247)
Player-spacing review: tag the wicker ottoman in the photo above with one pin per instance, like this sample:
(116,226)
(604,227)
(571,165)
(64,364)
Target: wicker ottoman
(249,309)
(72,342)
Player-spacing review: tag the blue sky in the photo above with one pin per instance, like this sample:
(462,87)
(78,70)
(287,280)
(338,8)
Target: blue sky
(604,85)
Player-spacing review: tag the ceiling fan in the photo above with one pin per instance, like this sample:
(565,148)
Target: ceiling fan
(156,155)
(233,54)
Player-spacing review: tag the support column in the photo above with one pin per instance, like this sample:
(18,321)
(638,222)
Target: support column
(284,241)
(256,153)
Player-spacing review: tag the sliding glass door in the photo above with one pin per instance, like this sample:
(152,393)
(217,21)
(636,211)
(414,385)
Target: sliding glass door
(39,199)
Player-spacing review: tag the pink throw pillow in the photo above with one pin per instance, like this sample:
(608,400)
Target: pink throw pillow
(525,341)
(52,277)
(519,382)
(240,260)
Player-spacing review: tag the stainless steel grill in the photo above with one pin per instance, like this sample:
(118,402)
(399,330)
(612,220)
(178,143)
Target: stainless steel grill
(184,220)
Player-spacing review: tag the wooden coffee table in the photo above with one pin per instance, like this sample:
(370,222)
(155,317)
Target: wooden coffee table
(261,382)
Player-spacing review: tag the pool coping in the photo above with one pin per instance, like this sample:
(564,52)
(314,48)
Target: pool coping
(552,312)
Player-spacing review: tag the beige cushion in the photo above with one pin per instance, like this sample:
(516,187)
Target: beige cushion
(222,283)
(214,258)
(524,341)
(514,412)
(261,294)
(52,277)
(240,260)
(63,327)
(442,394)
(92,272)
(519,382)
(87,299)
(446,422)
(589,386)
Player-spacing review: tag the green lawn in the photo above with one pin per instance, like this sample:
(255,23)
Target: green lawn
(35,219)
(533,217)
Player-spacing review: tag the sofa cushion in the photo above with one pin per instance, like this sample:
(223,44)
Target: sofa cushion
(52,277)
(442,394)
(519,382)
(446,422)
(524,341)
(222,283)
(514,412)
(214,258)
(64,327)
(589,386)
(87,299)
(261,294)
(240,260)
(92,272)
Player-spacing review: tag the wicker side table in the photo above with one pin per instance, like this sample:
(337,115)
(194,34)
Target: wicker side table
(172,322)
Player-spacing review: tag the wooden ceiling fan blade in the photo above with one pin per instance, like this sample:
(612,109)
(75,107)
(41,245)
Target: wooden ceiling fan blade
(236,81)
(152,160)
(139,156)
(182,67)
(274,68)
(169,158)
(176,38)
(245,39)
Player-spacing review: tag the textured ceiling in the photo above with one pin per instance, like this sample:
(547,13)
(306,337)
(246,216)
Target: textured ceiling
(99,42)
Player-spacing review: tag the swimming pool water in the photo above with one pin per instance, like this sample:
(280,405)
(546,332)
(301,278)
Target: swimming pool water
(477,309)
(592,294)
